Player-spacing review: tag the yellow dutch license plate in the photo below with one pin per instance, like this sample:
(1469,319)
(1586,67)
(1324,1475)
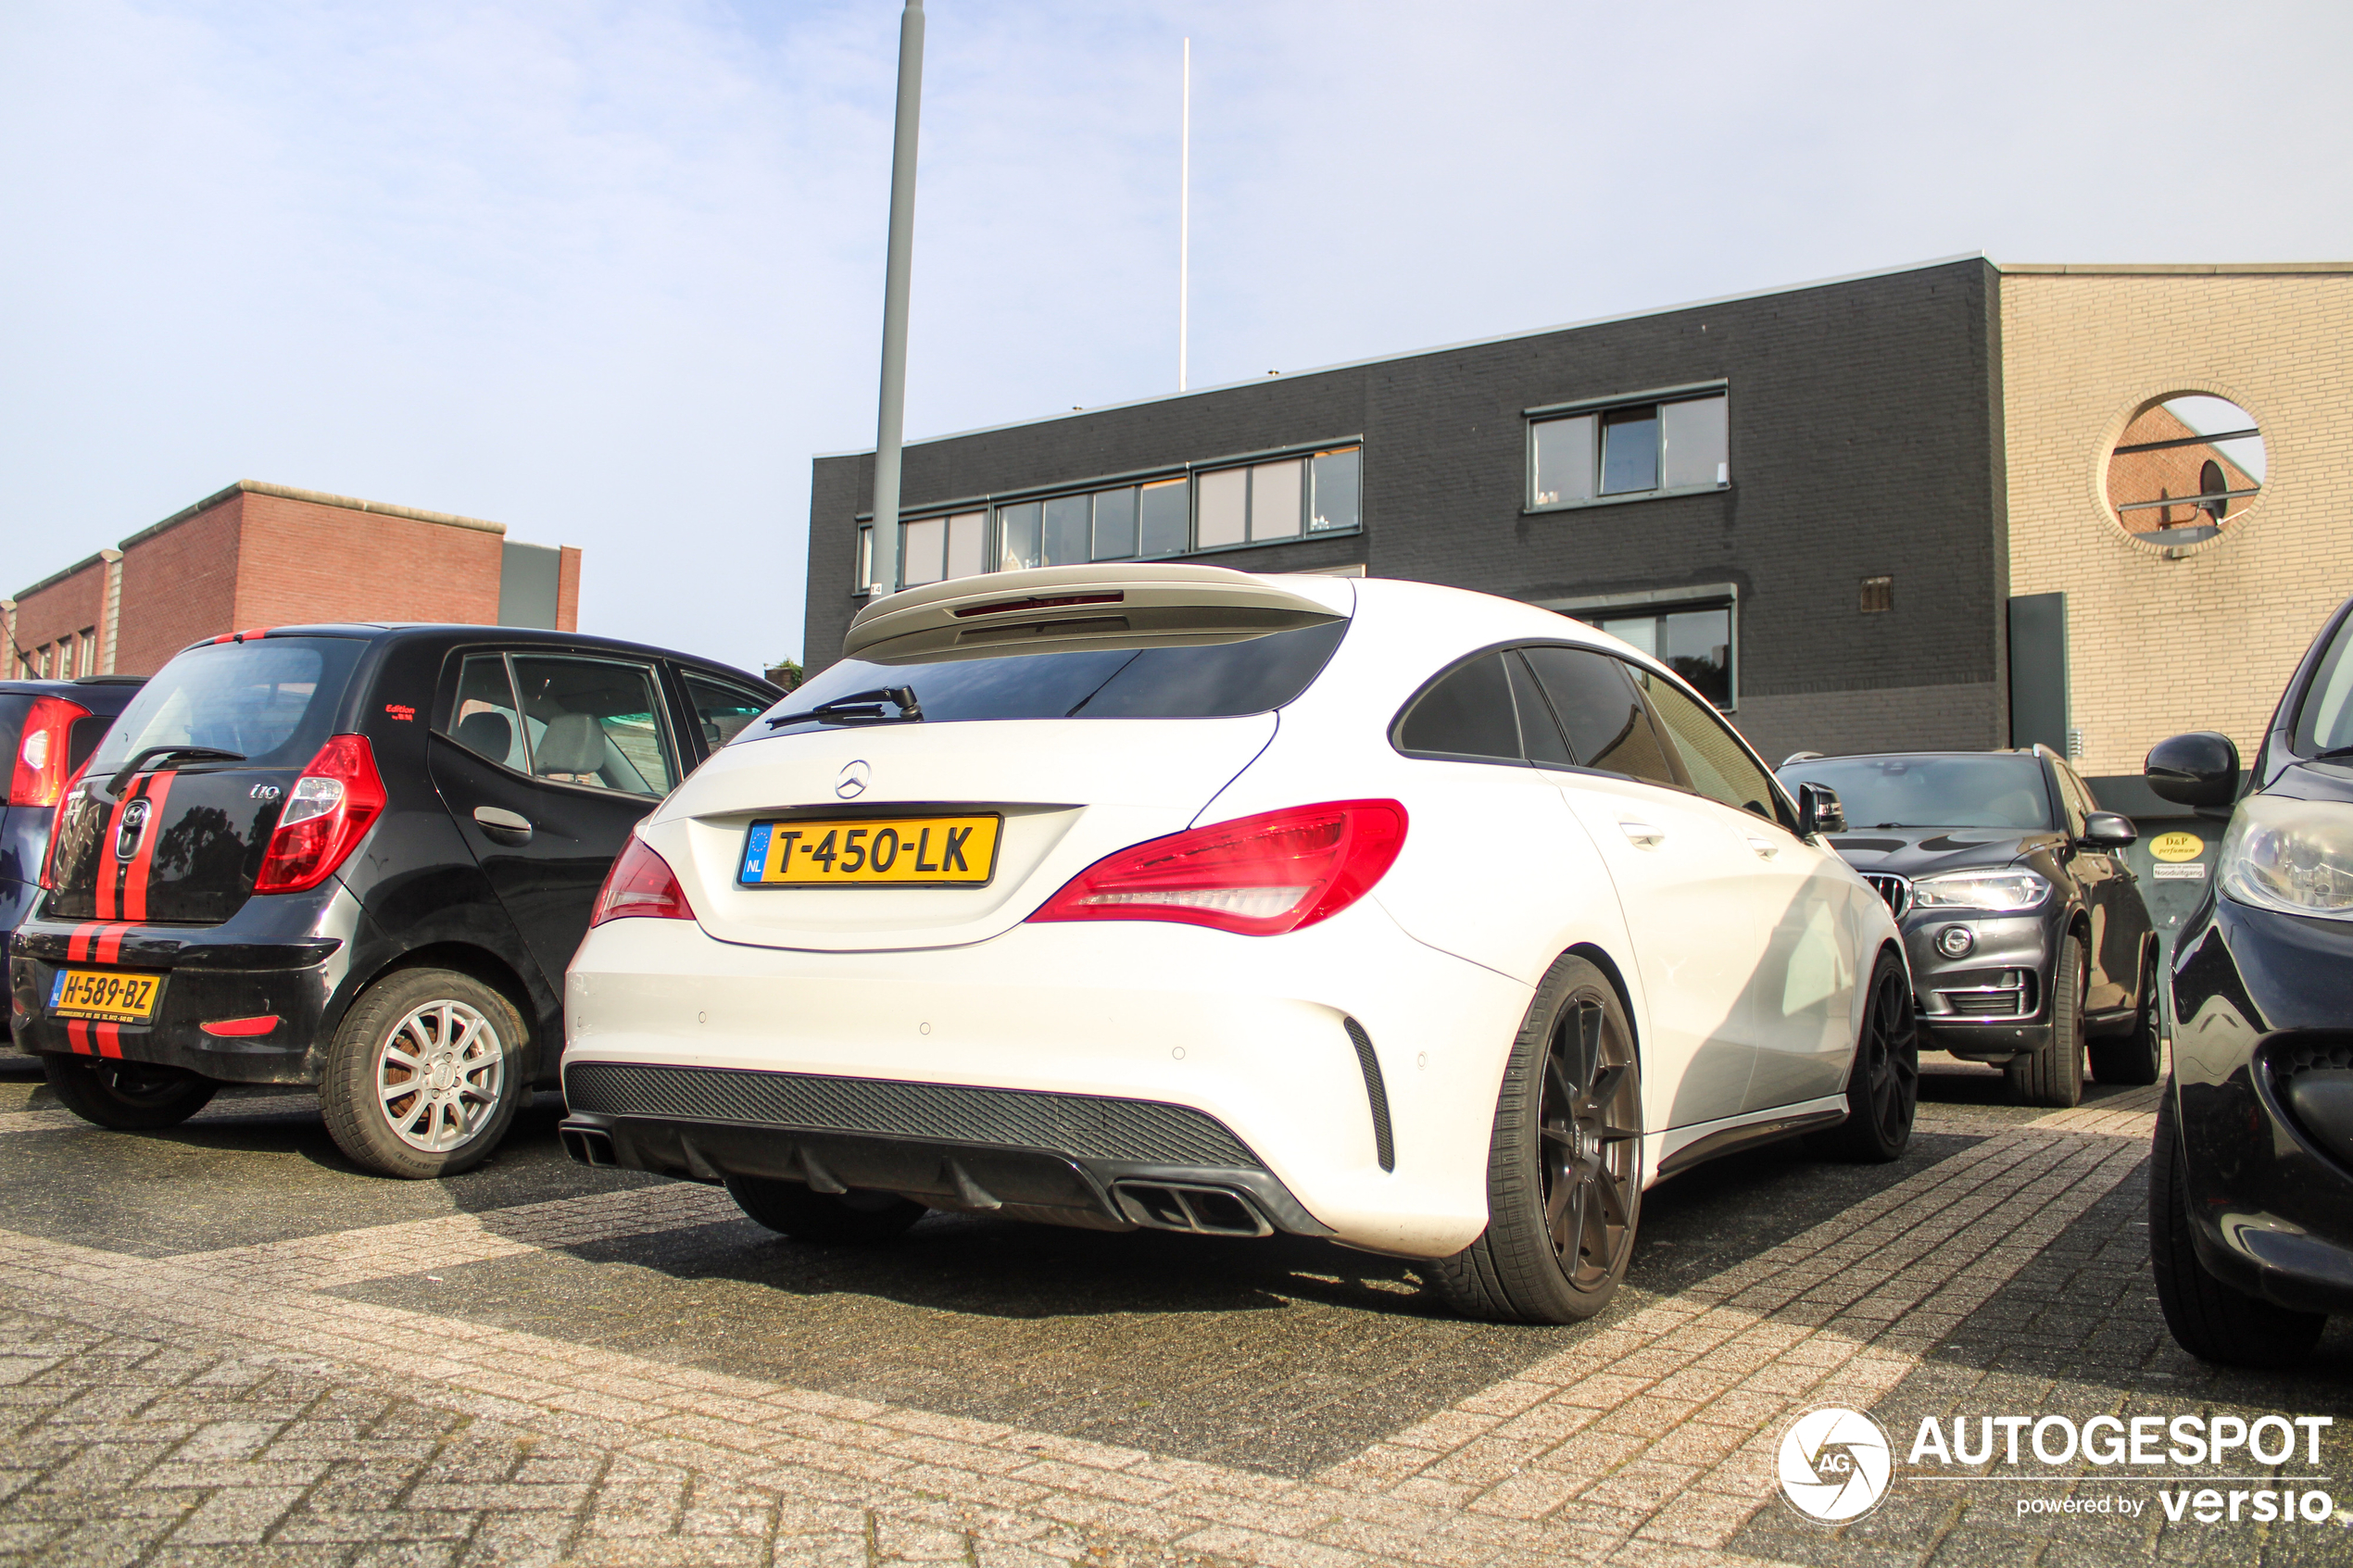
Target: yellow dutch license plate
(104,994)
(871,852)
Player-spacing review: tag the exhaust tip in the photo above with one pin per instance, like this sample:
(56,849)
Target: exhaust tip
(589,1145)
(1198,1210)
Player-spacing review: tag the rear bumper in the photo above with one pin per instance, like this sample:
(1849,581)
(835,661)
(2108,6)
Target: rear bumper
(284,958)
(955,1147)
(1074,1037)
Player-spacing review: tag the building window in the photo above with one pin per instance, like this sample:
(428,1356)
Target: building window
(1208,509)
(1666,445)
(1877,596)
(1694,632)
(2184,468)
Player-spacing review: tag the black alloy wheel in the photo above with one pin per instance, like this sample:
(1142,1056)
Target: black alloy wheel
(1587,1164)
(2207,1318)
(2139,1057)
(129,1096)
(1883,1087)
(1564,1166)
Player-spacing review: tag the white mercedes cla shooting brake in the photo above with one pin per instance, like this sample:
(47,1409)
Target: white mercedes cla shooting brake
(1425,921)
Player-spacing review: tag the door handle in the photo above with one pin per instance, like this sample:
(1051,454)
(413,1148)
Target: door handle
(497,819)
(1642,835)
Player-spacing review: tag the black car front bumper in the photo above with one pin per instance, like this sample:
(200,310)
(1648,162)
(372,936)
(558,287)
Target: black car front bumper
(285,957)
(1991,1003)
(2263,1073)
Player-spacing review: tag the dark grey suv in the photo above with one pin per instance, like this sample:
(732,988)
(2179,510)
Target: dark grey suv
(2030,944)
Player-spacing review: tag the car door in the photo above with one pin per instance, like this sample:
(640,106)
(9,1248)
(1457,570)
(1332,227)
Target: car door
(1797,1009)
(2111,897)
(1688,887)
(717,709)
(546,762)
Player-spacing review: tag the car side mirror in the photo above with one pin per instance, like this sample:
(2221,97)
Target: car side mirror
(2108,829)
(1818,811)
(2200,769)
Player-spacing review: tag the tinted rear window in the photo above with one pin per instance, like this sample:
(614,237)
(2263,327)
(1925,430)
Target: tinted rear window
(271,701)
(1216,681)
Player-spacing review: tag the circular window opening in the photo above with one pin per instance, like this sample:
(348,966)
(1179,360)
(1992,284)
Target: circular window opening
(2184,468)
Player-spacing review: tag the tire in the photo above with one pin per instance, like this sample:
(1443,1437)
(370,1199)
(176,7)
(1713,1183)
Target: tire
(1883,1089)
(130,1096)
(2054,1076)
(828,1219)
(1565,1164)
(465,1040)
(2135,1058)
(2208,1319)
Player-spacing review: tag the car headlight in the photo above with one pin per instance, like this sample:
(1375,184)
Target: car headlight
(2011,889)
(2293,856)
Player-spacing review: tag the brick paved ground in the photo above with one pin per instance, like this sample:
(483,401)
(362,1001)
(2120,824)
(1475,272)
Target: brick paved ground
(219,1373)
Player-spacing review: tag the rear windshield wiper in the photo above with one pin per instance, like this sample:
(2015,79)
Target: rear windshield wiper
(859,708)
(177,753)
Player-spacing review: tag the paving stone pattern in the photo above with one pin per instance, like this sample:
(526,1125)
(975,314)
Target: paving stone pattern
(307,1398)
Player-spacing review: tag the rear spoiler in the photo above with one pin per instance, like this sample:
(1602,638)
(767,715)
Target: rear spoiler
(1062,609)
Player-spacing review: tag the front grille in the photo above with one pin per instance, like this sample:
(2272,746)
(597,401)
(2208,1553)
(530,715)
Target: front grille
(1089,1126)
(1896,890)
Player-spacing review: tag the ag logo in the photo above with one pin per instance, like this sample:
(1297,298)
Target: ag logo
(2177,846)
(853,779)
(1834,1464)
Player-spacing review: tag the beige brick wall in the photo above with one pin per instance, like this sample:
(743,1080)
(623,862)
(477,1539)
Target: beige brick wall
(2157,645)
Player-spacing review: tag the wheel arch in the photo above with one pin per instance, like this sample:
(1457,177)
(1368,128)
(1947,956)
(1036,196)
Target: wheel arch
(1601,960)
(476,963)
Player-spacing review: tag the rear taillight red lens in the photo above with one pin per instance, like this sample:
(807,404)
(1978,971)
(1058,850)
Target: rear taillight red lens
(640,886)
(328,812)
(40,776)
(1259,875)
(56,821)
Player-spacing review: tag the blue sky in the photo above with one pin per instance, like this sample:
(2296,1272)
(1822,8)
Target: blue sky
(611,273)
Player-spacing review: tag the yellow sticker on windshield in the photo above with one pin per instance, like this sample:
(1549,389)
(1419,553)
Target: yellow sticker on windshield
(2177,846)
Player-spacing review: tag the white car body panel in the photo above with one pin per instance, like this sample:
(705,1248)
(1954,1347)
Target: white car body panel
(1740,948)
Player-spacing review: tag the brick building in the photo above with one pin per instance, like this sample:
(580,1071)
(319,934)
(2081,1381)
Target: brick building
(268,555)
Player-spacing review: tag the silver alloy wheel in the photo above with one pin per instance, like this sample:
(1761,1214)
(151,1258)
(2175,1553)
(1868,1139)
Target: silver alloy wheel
(438,1075)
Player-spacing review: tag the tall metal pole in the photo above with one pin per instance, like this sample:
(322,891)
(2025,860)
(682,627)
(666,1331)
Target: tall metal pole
(891,417)
(1185,220)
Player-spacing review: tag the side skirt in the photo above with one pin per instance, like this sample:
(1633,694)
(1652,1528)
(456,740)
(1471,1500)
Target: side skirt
(1680,1149)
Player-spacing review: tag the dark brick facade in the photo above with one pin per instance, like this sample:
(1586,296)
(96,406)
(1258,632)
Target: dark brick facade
(1865,440)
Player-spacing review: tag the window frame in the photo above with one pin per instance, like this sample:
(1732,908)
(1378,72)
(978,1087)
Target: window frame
(446,708)
(1784,803)
(1666,601)
(991,504)
(1597,409)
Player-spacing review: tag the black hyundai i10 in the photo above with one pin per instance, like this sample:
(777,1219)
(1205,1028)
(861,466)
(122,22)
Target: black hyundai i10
(357,857)
(2251,1180)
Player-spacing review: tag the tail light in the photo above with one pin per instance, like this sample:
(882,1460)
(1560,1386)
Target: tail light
(1259,875)
(640,885)
(328,812)
(57,825)
(40,776)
